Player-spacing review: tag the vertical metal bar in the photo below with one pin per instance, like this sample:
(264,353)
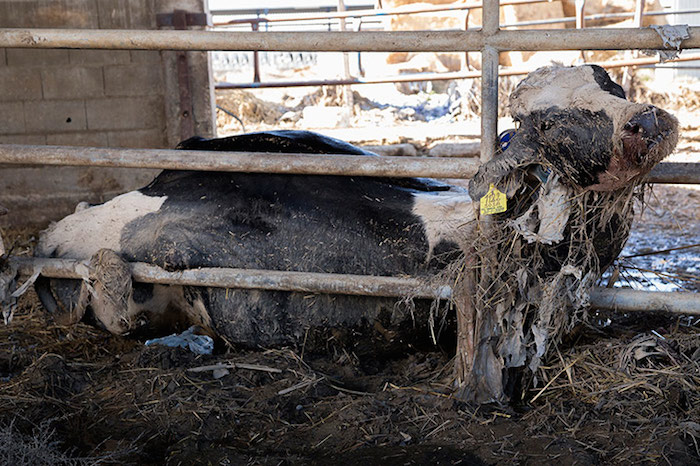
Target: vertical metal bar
(639,13)
(347,91)
(255,26)
(580,14)
(489,82)
(183,78)
(358,28)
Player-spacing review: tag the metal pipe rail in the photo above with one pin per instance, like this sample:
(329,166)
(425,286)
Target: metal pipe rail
(625,300)
(601,16)
(393,41)
(300,164)
(250,162)
(406,10)
(418,77)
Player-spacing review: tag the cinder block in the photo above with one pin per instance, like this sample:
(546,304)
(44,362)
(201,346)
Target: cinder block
(126,14)
(12,117)
(143,139)
(31,139)
(72,83)
(55,116)
(48,14)
(99,57)
(125,113)
(167,6)
(92,139)
(130,80)
(19,83)
(151,57)
(37,57)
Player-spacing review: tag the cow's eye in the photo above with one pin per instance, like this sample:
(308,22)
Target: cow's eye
(545,125)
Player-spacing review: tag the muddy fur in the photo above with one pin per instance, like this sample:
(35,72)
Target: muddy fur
(532,267)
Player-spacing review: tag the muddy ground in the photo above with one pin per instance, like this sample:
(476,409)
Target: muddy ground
(622,389)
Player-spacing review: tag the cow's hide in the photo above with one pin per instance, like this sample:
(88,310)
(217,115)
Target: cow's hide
(569,175)
(333,224)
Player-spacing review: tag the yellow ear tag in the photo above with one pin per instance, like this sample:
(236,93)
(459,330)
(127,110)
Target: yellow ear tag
(494,202)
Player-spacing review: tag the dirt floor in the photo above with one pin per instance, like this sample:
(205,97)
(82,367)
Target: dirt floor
(625,391)
(622,389)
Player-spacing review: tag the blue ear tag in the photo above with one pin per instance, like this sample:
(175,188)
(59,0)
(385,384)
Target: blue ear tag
(505,137)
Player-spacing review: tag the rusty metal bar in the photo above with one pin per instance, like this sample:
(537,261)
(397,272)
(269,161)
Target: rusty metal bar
(625,300)
(249,162)
(418,77)
(302,164)
(377,12)
(392,41)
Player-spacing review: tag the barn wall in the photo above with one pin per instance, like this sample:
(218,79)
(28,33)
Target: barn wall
(99,98)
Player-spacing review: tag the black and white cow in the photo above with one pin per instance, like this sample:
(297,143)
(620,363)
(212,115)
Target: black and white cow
(575,121)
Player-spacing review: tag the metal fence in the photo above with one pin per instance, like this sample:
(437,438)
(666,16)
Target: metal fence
(490,40)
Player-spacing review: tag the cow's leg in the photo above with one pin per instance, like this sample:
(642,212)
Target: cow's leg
(465,294)
(61,298)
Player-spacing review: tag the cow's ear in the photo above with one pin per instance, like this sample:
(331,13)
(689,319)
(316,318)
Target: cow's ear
(602,78)
(505,170)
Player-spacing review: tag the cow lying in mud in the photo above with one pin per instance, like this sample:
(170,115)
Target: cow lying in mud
(574,124)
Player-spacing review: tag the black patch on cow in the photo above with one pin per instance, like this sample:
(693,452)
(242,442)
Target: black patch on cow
(577,143)
(329,224)
(275,141)
(286,222)
(304,142)
(608,85)
(142,292)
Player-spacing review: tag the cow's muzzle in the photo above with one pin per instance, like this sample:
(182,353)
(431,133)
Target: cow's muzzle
(644,131)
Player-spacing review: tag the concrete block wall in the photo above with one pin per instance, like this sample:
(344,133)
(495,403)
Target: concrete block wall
(101,98)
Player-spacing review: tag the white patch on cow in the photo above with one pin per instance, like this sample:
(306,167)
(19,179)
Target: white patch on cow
(547,224)
(83,233)
(446,215)
(569,87)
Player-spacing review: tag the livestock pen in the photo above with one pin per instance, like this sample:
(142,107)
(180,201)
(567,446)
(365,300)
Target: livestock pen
(490,41)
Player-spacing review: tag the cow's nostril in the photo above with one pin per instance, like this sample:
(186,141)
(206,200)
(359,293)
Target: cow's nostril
(646,123)
(632,127)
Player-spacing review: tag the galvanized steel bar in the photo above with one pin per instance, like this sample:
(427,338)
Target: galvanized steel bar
(675,173)
(597,17)
(390,41)
(250,279)
(447,76)
(602,298)
(489,102)
(250,162)
(626,300)
(263,162)
(405,10)
(489,82)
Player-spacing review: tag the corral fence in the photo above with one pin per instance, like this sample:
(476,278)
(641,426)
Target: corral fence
(490,40)
(263,20)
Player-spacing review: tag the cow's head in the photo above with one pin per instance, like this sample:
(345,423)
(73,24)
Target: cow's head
(577,121)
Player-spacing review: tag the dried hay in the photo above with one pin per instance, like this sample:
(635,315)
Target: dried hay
(618,394)
(530,294)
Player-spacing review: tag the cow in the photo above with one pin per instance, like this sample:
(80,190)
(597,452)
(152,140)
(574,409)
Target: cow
(572,122)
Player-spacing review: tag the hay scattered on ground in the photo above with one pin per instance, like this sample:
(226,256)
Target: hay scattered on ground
(614,394)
